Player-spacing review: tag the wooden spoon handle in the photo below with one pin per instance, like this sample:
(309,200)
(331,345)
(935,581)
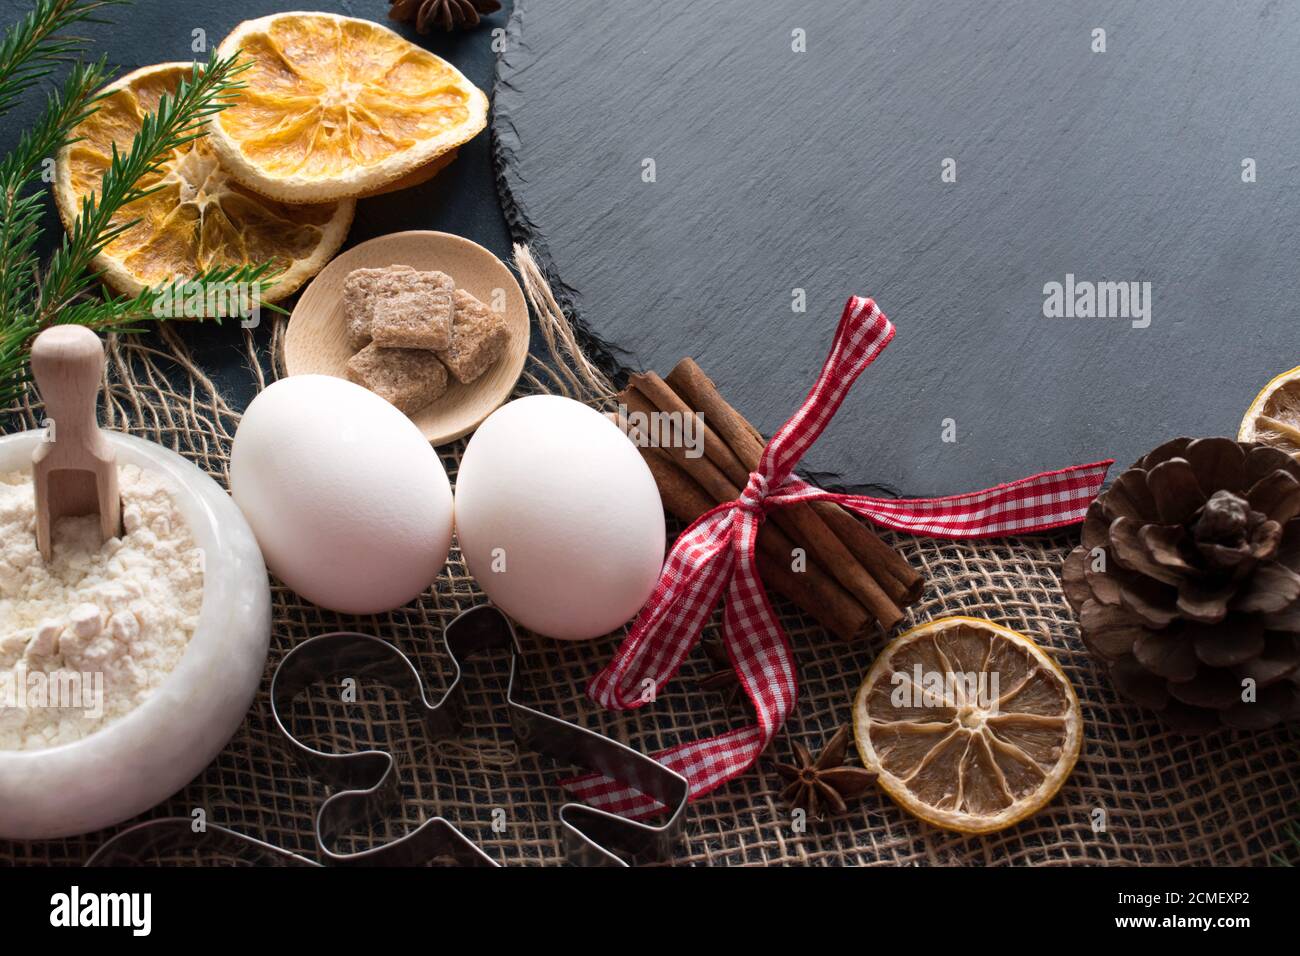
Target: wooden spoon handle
(68,364)
(75,469)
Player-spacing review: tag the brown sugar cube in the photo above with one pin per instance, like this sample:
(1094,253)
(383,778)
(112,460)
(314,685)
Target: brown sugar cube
(407,378)
(478,337)
(411,310)
(358,287)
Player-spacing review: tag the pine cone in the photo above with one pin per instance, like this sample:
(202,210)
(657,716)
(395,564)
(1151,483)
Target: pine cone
(447,14)
(1188,582)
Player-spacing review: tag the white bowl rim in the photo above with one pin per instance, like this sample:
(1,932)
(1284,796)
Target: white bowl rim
(181,474)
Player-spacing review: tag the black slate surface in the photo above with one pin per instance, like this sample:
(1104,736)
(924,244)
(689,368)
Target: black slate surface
(821,170)
(462,199)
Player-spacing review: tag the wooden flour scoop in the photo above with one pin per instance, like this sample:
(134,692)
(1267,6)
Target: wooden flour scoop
(75,469)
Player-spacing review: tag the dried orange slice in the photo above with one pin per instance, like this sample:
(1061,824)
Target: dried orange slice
(1274,416)
(970,726)
(337,107)
(200,218)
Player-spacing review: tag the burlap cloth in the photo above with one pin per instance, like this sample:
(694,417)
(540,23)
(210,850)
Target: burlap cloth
(1138,795)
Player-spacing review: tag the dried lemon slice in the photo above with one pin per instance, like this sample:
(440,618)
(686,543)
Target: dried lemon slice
(970,726)
(1274,416)
(334,107)
(199,218)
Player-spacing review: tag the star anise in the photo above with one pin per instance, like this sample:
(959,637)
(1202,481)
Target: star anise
(446,14)
(723,678)
(812,785)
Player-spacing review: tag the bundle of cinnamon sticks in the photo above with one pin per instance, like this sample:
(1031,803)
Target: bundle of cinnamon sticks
(817,555)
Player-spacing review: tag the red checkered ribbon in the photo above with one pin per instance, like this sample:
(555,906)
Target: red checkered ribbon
(716,554)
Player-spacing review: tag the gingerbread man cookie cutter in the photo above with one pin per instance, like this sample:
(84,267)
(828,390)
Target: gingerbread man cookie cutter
(366,782)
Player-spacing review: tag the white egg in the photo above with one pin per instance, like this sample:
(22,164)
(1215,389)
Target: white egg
(559,518)
(349,502)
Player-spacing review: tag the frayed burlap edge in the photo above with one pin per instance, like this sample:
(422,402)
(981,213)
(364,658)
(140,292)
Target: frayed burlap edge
(1139,795)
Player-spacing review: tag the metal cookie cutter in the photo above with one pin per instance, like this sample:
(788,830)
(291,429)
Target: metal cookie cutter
(367,780)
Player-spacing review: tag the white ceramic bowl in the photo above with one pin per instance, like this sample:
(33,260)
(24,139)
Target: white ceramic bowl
(144,757)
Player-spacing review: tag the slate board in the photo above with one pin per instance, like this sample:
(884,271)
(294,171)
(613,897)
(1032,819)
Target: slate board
(462,199)
(821,170)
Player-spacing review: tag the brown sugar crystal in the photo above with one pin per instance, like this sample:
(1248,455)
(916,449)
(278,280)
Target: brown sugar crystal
(478,337)
(358,305)
(407,378)
(411,310)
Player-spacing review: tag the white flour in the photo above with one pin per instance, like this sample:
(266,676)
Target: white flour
(104,623)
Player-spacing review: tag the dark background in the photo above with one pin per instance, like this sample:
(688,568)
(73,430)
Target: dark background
(821,170)
(461,200)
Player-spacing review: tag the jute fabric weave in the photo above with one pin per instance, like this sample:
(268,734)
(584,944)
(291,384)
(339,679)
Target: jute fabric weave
(1139,795)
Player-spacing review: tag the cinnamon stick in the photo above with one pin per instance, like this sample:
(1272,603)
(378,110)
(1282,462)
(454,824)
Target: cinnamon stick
(814,593)
(701,469)
(901,581)
(727,454)
(720,488)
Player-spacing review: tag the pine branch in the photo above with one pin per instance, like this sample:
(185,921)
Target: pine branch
(122,314)
(20,210)
(32,47)
(134,314)
(67,293)
(178,120)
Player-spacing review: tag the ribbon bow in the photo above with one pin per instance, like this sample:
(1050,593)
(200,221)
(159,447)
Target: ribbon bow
(717,552)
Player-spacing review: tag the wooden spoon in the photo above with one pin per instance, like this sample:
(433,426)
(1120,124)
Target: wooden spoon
(75,469)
